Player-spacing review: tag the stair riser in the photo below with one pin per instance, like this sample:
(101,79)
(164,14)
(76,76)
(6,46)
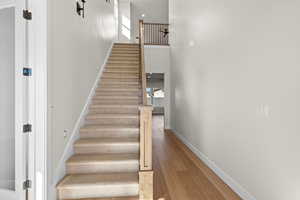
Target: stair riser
(123,65)
(98,104)
(103,167)
(99,191)
(120,98)
(122,73)
(118,93)
(125,56)
(119,58)
(126,48)
(124,52)
(110,133)
(122,70)
(116,89)
(107,148)
(122,86)
(107,110)
(112,121)
(121,76)
(119,82)
(123,61)
(126,45)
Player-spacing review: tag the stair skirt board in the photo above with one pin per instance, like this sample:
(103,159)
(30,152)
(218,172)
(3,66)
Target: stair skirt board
(105,160)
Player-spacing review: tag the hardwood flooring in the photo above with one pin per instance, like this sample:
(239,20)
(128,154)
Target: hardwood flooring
(179,174)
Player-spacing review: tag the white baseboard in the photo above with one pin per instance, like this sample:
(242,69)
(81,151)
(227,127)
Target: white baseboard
(60,171)
(234,185)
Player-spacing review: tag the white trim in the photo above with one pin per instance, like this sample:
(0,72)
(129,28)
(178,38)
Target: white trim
(234,185)
(7,4)
(20,51)
(38,60)
(59,173)
(8,195)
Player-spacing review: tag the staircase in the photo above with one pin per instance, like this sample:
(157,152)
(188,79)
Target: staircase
(106,160)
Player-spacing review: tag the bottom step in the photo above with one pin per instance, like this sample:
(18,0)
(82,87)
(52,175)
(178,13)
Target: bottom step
(113,198)
(110,185)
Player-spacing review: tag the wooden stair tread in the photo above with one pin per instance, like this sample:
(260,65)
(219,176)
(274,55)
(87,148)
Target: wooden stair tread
(116,97)
(95,158)
(114,105)
(115,116)
(108,127)
(90,180)
(86,142)
(124,89)
(110,198)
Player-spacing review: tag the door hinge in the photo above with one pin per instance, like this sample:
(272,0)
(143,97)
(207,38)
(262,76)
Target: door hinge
(27,15)
(27,128)
(27,184)
(27,71)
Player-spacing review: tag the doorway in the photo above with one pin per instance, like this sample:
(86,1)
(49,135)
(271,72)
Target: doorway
(156,93)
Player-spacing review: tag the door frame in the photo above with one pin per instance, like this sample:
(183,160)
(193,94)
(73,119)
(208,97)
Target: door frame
(37,32)
(37,60)
(18,193)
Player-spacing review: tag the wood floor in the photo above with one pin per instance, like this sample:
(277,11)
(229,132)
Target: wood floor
(179,174)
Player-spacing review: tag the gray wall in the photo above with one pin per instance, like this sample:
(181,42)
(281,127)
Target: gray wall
(7,71)
(236,89)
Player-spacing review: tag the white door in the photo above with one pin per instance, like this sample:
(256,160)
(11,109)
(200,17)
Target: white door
(13,101)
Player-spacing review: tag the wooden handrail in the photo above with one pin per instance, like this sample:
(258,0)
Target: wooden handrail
(146,172)
(142,63)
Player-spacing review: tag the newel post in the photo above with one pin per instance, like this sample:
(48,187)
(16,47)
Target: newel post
(146,171)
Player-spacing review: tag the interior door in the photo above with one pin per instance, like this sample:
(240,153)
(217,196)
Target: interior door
(13,149)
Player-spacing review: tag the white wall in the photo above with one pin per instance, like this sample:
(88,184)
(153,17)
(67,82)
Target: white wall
(155,11)
(7,71)
(77,49)
(157,60)
(125,22)
(235,89)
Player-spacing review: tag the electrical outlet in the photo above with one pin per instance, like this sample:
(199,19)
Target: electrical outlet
(66,132)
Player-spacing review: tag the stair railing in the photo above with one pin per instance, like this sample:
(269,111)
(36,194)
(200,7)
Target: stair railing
(146,170)
(156,34)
